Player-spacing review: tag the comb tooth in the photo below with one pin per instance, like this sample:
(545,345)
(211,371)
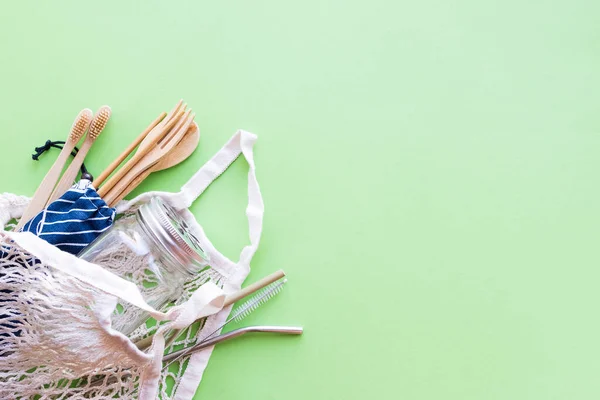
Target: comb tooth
(80,125)
(99,122)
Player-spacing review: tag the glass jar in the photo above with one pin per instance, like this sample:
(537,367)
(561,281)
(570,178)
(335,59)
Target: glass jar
(153,248)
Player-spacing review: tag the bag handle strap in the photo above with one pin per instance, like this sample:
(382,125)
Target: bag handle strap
(112,284)
(242,142)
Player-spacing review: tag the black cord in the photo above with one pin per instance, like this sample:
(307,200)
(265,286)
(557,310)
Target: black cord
(58,144)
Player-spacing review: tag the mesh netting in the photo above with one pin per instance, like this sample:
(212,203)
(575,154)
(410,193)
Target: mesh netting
(55,340)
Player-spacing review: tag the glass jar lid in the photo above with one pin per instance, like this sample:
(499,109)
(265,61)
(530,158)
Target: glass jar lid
(171,231)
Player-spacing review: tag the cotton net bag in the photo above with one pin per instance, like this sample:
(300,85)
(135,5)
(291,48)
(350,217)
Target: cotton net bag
(56,336)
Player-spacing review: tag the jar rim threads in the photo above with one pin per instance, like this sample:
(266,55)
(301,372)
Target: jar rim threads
(170,231)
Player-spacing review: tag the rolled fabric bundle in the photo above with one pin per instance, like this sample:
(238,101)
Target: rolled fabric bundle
(74,220)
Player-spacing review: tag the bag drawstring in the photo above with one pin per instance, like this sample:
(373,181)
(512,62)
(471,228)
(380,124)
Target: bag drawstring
(58,144)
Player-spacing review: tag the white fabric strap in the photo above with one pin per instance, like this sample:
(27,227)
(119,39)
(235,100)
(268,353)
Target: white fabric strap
(241,143)
(95,275)
(204,302)
(11,206)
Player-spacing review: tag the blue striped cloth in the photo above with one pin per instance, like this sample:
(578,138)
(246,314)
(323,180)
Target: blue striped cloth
(74,220)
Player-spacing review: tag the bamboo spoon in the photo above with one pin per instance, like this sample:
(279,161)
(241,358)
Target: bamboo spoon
(96,127)
(109,170)
(148,145)
(178,154)
(229,300)
(158,152)
(43,192)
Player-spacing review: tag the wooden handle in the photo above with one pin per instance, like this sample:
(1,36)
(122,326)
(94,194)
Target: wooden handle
(109,170)
(229,300)
(183,150)
(71,173)
(142,151)
(149,142)
(114,199)
(44,191)
(129,180)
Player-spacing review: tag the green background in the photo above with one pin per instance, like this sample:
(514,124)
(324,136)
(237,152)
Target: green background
(429,169)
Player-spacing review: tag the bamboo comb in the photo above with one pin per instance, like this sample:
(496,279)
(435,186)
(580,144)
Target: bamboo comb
(43,192)
(96,127)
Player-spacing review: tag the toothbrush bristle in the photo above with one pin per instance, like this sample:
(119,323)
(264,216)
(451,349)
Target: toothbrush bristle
(81,124)
(258,300)
(99,122)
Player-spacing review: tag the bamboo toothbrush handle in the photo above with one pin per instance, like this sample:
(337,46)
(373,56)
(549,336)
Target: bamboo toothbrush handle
(109,170)
(43,192)
(70,174)
(38,201)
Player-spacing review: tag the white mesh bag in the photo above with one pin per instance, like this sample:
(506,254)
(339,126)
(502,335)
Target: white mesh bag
(56,336)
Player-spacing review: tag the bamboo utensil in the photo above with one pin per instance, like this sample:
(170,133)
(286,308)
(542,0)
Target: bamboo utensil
(153,137)
(168,124)
(96,127)
(109,170)
(161,148)
(43,192)
(178,154)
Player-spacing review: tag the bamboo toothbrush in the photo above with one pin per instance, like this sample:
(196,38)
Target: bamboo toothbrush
(240,313)
(43,192)
(96,127)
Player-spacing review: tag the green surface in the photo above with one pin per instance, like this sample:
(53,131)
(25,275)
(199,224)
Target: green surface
(429,172)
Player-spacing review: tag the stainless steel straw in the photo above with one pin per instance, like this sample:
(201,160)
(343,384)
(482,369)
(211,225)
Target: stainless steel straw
(284,330)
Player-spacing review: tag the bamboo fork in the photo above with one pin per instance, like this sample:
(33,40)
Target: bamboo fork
(146,146)
(96,127)
(178,154)
(147,143)
(109,170)
(43,192)
(161,149)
